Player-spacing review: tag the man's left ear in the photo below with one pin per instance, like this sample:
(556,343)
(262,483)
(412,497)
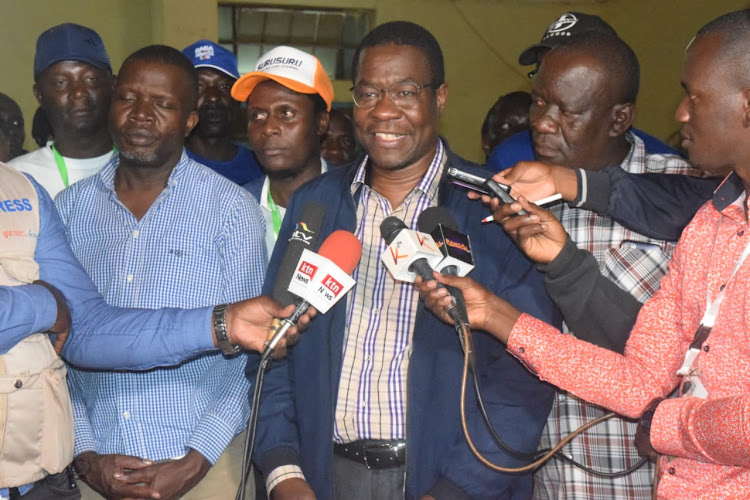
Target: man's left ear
(622,118)
(441,94)
(324,117)
(192,121)
(746,108)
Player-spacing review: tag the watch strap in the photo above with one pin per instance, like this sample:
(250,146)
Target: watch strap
(220,330)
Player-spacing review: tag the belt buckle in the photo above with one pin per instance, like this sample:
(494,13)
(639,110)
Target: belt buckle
(392,450)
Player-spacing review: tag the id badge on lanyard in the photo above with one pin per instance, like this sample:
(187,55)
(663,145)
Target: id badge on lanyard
(692,384)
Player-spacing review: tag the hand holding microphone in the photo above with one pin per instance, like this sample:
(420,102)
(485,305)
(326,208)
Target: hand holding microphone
(413,254)
(319,280)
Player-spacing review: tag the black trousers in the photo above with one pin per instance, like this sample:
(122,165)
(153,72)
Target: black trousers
(60,486)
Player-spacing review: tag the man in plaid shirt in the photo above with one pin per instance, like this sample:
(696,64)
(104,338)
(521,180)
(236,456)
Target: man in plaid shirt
(583,104)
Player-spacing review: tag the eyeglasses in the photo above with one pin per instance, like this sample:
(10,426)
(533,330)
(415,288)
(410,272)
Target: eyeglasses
(403,95)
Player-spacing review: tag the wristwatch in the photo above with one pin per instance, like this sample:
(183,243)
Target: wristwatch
(220,329)
(648,417)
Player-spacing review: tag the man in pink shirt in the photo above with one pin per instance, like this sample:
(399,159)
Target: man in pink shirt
(703,436)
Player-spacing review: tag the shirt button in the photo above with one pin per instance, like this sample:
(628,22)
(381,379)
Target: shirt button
(362,404)
(135,233)
(375,312)
(521,350)
(367,358)
(126,415)
(740,232)
(18,384)
(671,470)
(721,288)
(130,277)
(705,348)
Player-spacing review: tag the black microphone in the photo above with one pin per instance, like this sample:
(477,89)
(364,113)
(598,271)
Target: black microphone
(440,224)
(305,236)
(390,229)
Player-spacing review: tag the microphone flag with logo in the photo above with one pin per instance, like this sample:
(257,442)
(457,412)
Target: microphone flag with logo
(409,253)
(320,279)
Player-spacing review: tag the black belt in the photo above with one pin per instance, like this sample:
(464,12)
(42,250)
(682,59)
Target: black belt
(373,453)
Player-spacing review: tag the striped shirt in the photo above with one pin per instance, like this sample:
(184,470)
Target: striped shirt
(199,244)
(607,447)
(372,393)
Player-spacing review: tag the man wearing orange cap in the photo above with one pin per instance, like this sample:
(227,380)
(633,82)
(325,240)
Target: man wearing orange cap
(288,97)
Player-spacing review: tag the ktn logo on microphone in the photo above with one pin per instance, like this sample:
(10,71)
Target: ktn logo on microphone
(330,288)
(305,272)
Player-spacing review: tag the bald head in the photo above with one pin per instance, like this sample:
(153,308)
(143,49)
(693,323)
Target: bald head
(734,31)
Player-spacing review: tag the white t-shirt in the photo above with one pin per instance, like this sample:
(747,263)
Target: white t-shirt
(41,165)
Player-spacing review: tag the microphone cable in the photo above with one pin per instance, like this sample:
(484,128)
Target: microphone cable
(538,457)
(252,424)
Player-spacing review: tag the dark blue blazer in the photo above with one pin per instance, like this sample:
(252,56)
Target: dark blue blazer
(437,453)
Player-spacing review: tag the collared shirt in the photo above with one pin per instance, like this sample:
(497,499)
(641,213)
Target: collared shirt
(372,393)
(200,243)
(268,212)
(42,166)
(704,442)
(636,264)
(101,336)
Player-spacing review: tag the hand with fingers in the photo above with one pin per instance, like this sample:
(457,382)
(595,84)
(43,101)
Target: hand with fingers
(105,474)
(538,234)
(171,479)
(249,323)
(486,311)
(534,180)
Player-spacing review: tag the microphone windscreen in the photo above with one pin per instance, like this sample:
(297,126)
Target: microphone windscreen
(390,227)
(305,236)
(430,218)
(343,249)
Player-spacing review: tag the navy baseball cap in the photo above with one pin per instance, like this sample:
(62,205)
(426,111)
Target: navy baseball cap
(568,25)
(207,54)
(70,42)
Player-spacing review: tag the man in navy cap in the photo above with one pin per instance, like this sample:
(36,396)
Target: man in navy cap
(73,84)
(518,147)
(210,143)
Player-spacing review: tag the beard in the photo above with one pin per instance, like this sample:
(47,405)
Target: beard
(141,158)
(284,173)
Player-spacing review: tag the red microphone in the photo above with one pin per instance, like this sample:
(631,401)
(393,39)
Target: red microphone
(343,250)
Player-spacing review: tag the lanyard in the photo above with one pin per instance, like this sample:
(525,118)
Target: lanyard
(707,322)
(275,214)
(61,167)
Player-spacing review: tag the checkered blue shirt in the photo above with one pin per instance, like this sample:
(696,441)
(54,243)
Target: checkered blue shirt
(199,244)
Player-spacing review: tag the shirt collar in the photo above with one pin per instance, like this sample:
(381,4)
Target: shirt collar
(728,192)
(428,184)
(635,160)
(107,173)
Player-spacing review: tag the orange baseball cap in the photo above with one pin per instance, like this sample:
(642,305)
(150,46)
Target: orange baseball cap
(293,68)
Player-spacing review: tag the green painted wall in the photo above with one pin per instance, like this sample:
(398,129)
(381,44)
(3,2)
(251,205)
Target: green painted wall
(481,40)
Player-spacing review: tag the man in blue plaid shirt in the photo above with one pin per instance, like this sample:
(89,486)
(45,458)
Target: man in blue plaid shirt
(156,229)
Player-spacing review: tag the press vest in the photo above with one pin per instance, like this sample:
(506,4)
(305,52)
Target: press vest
(36,417)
